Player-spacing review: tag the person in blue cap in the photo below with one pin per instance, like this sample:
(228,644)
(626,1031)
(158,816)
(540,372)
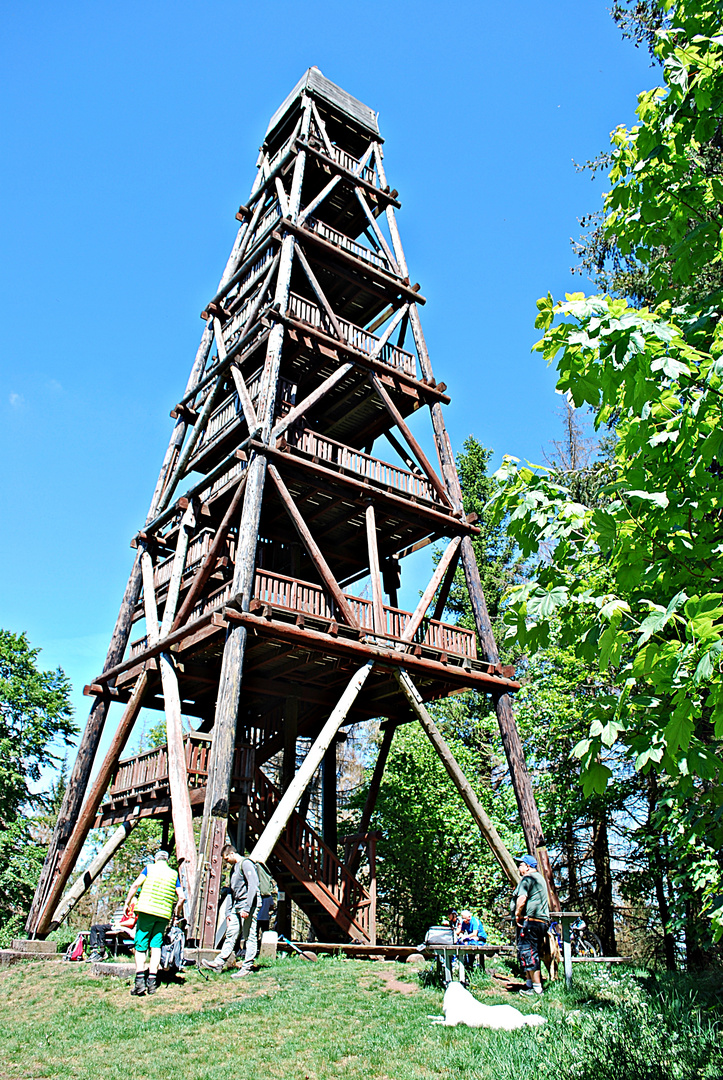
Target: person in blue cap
(530,910)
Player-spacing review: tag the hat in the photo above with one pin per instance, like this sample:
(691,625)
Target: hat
(530,860)
(160,855)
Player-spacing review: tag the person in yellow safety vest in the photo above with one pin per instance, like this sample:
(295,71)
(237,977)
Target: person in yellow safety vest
(161,898)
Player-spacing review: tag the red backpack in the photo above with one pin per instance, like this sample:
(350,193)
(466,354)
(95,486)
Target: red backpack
(75,951)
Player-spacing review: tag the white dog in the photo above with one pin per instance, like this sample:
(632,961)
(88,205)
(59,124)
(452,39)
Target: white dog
(461,1008)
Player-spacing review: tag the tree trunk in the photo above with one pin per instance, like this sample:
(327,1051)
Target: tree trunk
(573,884)
(603,896)
(657,871)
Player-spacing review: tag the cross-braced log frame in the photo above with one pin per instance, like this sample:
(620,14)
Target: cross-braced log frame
(255,291)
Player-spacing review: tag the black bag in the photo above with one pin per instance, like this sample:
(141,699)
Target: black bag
(439,935)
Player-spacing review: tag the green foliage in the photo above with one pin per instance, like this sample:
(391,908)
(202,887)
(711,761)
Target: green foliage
(35,715)
(431,855)
(21,860)
(35,711)
(633,586)
(664,207)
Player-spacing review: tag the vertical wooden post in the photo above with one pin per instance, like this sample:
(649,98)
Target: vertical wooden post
(291,728)
(177,771)
(377,598)
(372,849)
(214,873)
(328,798)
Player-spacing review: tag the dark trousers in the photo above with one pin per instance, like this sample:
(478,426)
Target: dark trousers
(97,936)
(530,941)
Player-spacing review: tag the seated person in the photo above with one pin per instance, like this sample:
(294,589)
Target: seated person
(469,930)
(266,909)
(98,934)
(452,917)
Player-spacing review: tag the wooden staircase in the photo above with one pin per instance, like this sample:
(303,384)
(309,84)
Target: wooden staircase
(310,873)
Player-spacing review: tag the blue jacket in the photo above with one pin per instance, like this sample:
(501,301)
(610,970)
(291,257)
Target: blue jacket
(471,932)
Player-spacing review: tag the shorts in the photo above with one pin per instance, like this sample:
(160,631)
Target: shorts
(149,932)
(530,943)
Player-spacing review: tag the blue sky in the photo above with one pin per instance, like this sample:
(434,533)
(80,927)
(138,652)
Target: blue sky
(130,134)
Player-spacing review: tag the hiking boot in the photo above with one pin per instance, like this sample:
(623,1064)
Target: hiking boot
(241,974)
(152,984)
(529,992)
(139,987)
(211,965)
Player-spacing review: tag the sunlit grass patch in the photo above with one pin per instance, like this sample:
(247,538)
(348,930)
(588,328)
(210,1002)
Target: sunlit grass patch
(293,1020)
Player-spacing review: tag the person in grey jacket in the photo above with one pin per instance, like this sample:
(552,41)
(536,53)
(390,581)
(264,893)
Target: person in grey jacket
(241,922)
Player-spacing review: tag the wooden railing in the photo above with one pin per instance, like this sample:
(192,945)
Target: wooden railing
(318,863)
(307,598)
(196,551)
(304,597)
(227,477)
(340,239)
(348,161)
(271,216)
(148,772)
(358,339)
(230,412)
(214,602)
(254,273)
(308,442)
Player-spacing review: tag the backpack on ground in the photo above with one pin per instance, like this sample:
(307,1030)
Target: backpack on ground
(75,951)
(173,949)
(267,885)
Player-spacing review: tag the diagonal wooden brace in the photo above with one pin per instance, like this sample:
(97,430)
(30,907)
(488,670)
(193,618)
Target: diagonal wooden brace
(280,817)
(478,812)
(409,438)
(320,294)
(310,400)
(313,548)
(428,595)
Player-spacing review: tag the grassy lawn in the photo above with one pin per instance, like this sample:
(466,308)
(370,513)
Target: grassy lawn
(354,1019)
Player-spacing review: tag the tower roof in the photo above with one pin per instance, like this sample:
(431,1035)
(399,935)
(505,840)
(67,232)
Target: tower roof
(317,85)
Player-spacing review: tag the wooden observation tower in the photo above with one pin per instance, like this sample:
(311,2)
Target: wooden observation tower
(276,495)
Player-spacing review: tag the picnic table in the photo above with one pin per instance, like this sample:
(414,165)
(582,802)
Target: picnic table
(447,953)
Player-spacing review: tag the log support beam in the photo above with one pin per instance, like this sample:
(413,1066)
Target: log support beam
(285,808)
(460,781)
(97,866)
